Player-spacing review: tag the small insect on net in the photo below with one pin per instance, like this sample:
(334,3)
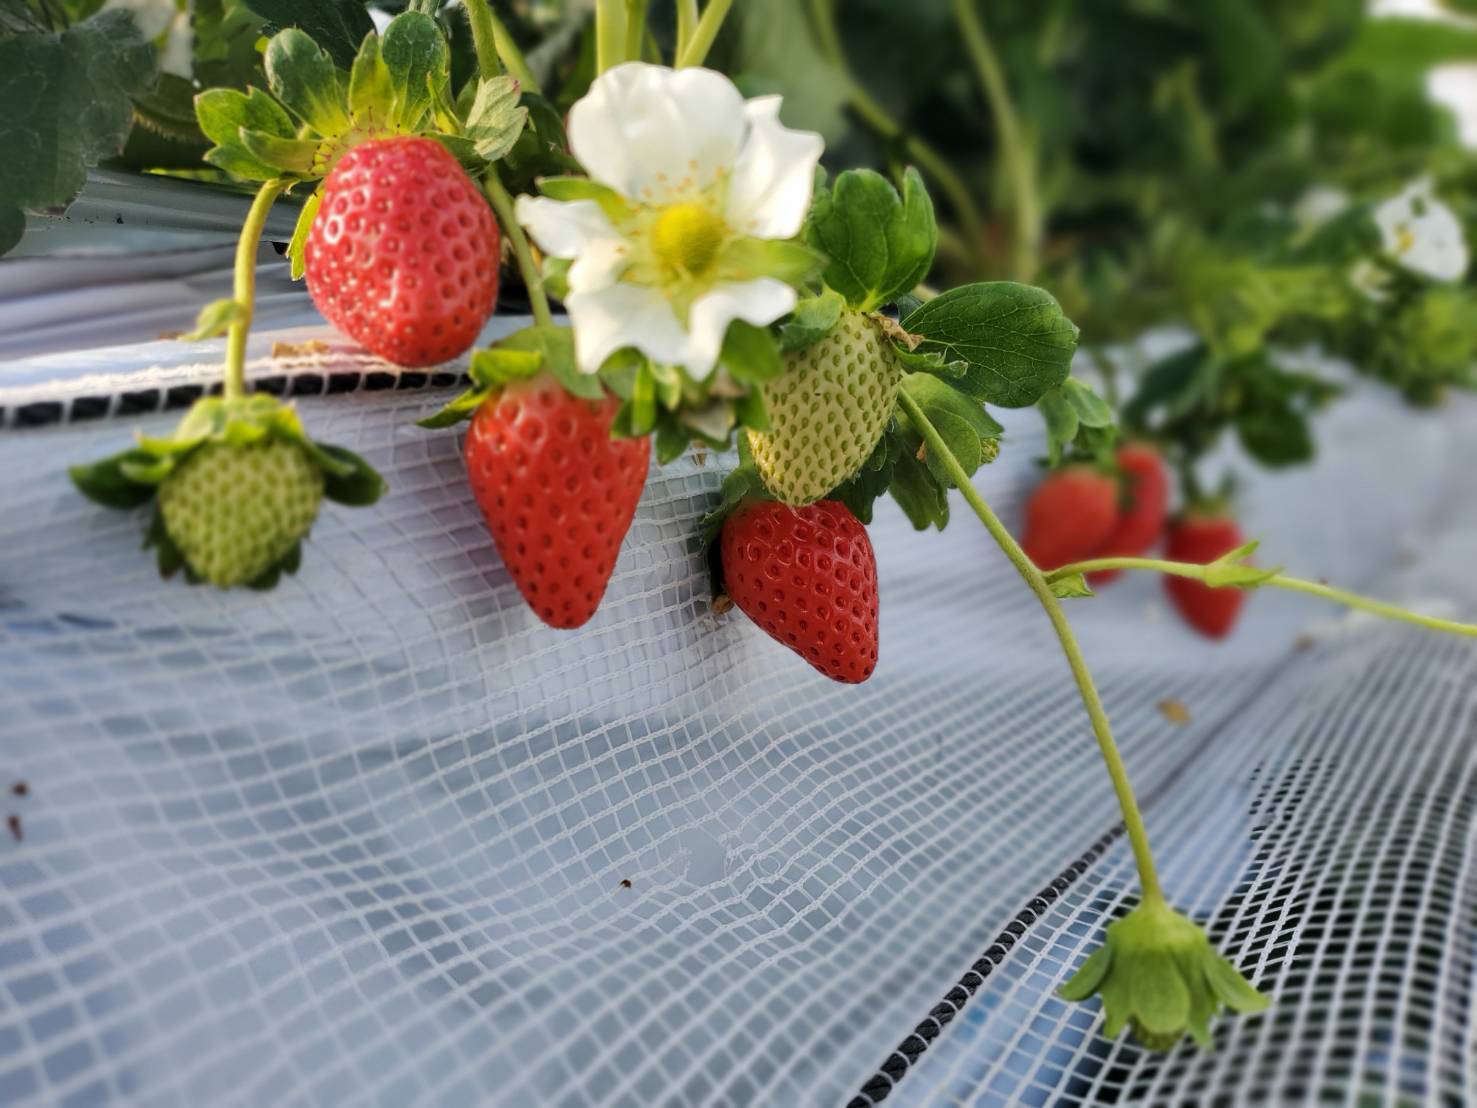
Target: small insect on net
(378,836)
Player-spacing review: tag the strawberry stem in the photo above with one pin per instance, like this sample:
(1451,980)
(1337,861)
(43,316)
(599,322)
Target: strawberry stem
(1133,820)
(244,290)
(686,25)
(704,33)
(635,29)
(1277,581)
(533,281)
(492,42)
(610,34)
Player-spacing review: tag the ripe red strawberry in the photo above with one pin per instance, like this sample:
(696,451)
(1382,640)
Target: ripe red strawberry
(403,253)
(1140,522)
(1069,515)
(557,491)
(1202,539)
(808,577)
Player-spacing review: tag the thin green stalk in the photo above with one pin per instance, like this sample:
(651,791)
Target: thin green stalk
(635,28)
(610,34)
(1278,581)
(244,289)
(502,203)
(704,33)
(686,25)
(873,115)
(1017,158)
(484,38)
(1133,820)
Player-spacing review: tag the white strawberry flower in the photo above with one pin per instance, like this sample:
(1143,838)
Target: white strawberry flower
(678,231)
(1422,234)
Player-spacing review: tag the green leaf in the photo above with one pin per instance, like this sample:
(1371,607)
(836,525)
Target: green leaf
(934,362)
(339,26)
(879,244)
(745,259)
(1015,339)
(671,442)
(214,319)
(813,319)
(106,481)
(352,481)
(1070,587)
(416,56)
(224,113)
(12,227)
(749,411)
(371,92)
(613,204)
(495,120)
(936,396)
(1092,410)
(67,107)
(963,442)
(302,77)
(750,354)
(921,498)
(556,346)
(1090,974)
(1276,435)
(1062,423)
(297,248)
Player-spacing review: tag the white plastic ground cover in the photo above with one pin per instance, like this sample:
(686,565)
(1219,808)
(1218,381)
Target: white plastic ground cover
(381,837)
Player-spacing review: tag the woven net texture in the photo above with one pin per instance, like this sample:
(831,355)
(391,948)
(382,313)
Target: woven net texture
(379,836)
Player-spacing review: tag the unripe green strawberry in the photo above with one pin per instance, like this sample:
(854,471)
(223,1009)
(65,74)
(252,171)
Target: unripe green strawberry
(234,512)
(827,410)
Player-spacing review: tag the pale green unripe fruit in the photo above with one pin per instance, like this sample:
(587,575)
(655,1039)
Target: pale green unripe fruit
(235,511)
(827,410)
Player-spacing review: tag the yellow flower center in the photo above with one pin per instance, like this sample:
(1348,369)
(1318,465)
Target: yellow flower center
(687,237)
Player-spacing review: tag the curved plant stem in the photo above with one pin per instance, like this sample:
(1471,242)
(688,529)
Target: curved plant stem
(874,116)
(1278,581)
(635,28)
(502,203)
(484,37)
(686,25)
(704,33)
(1017,159)
(1133,821)
(244,287)
(610,34)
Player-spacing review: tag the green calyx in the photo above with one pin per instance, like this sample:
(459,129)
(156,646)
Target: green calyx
(1158,974)
(236,488)
(542,347)
(399,84)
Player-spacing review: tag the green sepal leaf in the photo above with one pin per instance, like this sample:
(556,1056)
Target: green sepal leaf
(497,365)
(813,319)
(147,471)
(671,443)
(742,483)
(291,157)
(214,319)
(750,354)
(615,206)
(1232,989)
(880,244)
(555,345)
(931,361)
(416,56)
(371,91)
(223,113)
(749,411)
(746,259)
(167,557)
(1092,410)
(1015,339)
(496,119)
(1071,587)
(1090,974)
(107,483)
(1161,1000)
(297,248)
(455,411)
(302,77)
(347,478)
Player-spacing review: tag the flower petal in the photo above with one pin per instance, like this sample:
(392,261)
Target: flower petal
(563,228)
(651,132)
(1423,234)
(769,194)
(760,302)
(610,319)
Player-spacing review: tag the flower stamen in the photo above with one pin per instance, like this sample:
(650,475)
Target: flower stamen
(687,238)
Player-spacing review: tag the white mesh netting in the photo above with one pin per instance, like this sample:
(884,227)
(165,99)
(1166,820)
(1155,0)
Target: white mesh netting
(366,838)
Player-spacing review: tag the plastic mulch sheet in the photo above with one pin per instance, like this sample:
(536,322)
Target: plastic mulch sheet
(378,836)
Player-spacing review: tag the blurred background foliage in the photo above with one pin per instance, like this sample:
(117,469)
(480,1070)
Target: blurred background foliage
(1217,167)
